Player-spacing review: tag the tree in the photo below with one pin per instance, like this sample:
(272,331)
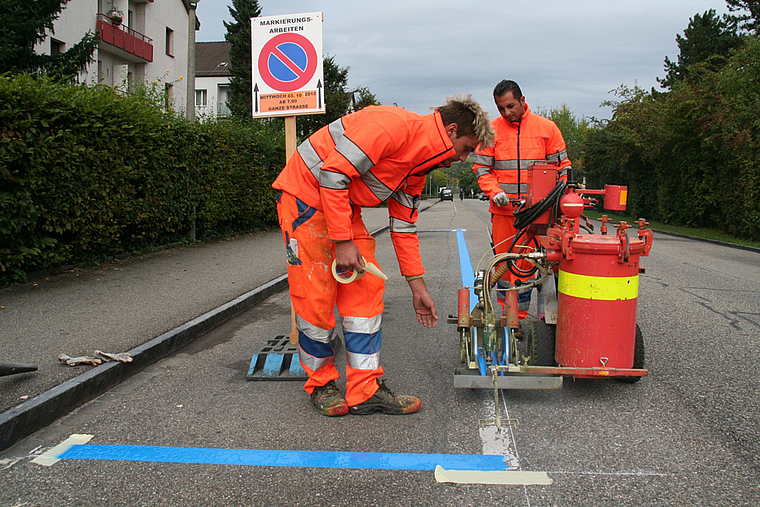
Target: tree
(23,24)
(748,21)
(239,37)
(573,132)
(708,39)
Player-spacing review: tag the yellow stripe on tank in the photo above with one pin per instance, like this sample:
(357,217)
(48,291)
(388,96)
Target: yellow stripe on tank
(601,288)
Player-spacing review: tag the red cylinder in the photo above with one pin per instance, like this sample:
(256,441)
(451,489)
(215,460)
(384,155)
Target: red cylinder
(463,314)
(598,293)
(615,197)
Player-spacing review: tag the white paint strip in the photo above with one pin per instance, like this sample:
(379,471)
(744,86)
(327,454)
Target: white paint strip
(50,457)
(511,477)
(498,441)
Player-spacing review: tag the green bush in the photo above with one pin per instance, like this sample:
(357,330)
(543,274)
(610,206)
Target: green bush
(87,173)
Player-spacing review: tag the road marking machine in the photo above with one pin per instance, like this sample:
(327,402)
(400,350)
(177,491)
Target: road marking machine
(587,287)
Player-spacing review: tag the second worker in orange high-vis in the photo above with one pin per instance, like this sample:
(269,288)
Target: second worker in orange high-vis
(378,154)
(523,138)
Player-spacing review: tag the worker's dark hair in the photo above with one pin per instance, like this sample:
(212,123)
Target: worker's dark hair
(506,86)
(471,119)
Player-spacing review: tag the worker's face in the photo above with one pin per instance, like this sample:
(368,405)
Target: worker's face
(510,108)
(463,146)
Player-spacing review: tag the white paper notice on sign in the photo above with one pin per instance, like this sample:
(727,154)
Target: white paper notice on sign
(287,65)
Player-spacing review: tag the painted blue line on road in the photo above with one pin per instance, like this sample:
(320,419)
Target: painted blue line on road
(465,266)
(274,458)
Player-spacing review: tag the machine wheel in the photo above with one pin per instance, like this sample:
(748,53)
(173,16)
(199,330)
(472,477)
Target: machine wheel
(541,341)
(638,357)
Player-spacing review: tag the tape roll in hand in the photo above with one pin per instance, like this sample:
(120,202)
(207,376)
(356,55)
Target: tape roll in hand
(350,276)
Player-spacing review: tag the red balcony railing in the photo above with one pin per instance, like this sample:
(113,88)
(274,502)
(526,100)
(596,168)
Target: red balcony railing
(125,38)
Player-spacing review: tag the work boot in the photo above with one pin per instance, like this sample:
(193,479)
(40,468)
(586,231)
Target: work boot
(384,400)
(328,400)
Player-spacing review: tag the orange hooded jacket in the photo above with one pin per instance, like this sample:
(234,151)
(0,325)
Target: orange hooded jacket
(377,154)
(534,140)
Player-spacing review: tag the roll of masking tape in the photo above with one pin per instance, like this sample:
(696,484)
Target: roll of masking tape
(344,276)
(350,276)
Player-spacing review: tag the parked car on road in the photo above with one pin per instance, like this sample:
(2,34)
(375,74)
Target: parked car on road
(482,196)
(447,194)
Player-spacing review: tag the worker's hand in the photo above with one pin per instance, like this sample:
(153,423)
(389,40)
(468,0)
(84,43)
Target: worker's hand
(348,257)
(423,303)
(500,199)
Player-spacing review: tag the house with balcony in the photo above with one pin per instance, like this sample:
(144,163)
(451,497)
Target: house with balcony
(150,41)
(212,79)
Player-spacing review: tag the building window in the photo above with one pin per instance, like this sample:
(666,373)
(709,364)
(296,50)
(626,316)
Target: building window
(201,98)
(57,47)
(169,41)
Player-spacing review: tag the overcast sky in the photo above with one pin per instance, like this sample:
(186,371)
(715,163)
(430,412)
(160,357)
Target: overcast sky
(415,53)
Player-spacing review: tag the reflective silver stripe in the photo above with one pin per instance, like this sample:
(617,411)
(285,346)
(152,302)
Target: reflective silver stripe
(562,155)
(363,361)
(365,325)
(336,130)
(376,186)
(405,199)
(482,171)
(312,362)
(482,159)
(336,181)
(563,172)
(310,157)
(402,226)
(511,165)
(354,154)
(315,333)
(511,188)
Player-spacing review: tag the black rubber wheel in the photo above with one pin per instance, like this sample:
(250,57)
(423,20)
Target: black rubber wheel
(541,338)
(638,357)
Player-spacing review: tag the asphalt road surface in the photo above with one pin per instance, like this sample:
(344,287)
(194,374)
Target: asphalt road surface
(188,430)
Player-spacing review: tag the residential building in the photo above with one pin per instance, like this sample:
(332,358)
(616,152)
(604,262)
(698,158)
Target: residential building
(150,41)
(212,79)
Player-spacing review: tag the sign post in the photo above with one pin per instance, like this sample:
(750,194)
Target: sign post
(286,53)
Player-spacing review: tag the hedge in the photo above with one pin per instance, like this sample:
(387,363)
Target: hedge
(88,173)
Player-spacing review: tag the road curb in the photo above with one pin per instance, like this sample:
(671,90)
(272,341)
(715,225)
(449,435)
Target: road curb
(24,419)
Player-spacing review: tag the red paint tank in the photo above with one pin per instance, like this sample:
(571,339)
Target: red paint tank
(598,293)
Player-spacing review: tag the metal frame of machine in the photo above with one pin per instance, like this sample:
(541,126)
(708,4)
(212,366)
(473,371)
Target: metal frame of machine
(587,286)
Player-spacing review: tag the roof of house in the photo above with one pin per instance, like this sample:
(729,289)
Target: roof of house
(212,59)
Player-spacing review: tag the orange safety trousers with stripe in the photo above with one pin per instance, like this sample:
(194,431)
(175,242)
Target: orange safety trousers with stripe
(315,294)
(502,235)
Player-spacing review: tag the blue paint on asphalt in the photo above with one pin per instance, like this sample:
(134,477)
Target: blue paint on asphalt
(274,458)
(465,266)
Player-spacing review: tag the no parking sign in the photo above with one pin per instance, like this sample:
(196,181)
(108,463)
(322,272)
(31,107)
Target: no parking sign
(287,64)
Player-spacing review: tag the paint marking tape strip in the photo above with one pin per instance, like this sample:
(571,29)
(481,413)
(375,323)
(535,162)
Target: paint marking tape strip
(513,477)
(51,457)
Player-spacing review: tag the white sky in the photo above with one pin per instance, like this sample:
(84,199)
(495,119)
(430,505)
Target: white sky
(415,53)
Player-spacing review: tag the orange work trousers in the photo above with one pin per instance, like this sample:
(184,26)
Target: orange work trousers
(502,234)
(315,294)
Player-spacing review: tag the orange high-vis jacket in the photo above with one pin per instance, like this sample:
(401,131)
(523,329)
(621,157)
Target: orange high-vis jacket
(517,145)
(377,154)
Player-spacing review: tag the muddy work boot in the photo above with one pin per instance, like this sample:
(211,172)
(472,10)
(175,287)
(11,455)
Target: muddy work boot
(328,400)
(384,400)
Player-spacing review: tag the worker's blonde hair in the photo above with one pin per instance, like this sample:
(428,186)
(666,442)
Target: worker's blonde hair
(471,119)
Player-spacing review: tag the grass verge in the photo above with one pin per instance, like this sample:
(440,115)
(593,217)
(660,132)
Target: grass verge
(686,231)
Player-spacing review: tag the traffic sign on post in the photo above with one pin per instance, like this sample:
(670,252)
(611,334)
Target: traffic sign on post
(287,65)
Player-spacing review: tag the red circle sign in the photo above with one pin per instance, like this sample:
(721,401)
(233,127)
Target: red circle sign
(302,71)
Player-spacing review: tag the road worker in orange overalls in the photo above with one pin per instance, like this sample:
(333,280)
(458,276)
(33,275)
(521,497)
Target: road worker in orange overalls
(522,139)
(378,154)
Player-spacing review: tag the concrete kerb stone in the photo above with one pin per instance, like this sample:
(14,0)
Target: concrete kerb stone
(24,419)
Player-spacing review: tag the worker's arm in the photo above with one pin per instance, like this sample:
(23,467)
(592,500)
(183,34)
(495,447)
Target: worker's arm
(483,169)
(423,303)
